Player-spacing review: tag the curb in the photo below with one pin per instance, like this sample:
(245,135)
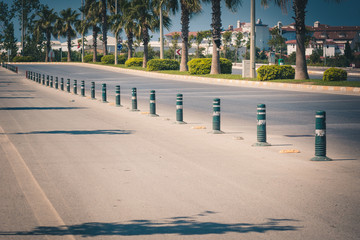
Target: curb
(231,82)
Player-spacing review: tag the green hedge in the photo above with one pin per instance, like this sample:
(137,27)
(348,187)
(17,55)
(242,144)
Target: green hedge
(88,58)
(335,74)
(273,72)
(110,59)
(162,64)
(23,59)
(199,66)
(134,62)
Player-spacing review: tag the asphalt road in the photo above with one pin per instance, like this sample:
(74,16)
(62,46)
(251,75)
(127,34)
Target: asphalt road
(289,113)
(76,168)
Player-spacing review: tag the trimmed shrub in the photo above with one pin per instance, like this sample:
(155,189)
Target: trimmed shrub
(335,74)
(108,59)
(162,64)
(88,58)
(134,62)
(64,59)
(199,66)
(273,72)
(23,59)
(122,59)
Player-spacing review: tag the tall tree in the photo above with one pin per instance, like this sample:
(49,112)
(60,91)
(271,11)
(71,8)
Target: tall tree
(45,25)
(227,37)
(188,8)
(104,24)
(25,11)
(299,8)
(145,13)
(92,21)
(216,29)
(65,25)
(164,7)
(277,41)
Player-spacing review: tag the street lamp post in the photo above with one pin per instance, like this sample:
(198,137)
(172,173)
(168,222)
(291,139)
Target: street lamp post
(252,40)
(82,34)
(116,35)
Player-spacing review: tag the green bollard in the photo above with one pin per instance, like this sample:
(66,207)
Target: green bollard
(75,87)
(82,88)
(43,79)
(68,85)
(104,93)
(134,100)
(36,77)
(51,81)
(261,126)
(56,83)
(62,84)
(320,137)
(153,104)
(117,97)
(179,109)
(92,90)
(216,117)
(47,80)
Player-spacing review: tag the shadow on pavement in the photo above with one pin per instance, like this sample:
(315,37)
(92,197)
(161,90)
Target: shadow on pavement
(179,226)
(15,97)
(41,108)
(79,132)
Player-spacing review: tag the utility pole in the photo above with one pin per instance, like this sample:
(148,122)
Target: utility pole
(116,35)
(82,34)
(22,29)
(252,41)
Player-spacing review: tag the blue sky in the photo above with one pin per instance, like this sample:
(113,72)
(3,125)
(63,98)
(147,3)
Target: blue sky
(346,13)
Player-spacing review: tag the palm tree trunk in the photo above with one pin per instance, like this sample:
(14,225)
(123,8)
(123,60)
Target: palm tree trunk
(216,34)
(48,43)
(69,47)
(130,44)
(185,36)
(146,42)
(94,44)
(299,7)
(104,26)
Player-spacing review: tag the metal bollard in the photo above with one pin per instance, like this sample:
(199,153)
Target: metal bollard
(68,85)
(320,137)
(56,83)
(216,117)
(82,88)
(43,79)
(261,126)
(47,80)
(62,84)
(104,93)
(92,90)
(75,87)
(134,100)
(152,104)
(117,97)
(36,77)
(51,81)
(179,109)
(26,74)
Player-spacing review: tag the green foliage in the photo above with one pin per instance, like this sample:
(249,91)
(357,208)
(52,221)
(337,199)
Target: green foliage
(64,59)
(291,60)
(335,74)
(315,56)
(122,59)
(23,59)
(134,62)
(275,72)
(162,64)
(200,66)
(88,58)
(108,59)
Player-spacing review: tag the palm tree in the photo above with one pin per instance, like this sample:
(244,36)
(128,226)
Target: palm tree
(45,25)
(64,27)
(227,37)
(216,29)
(167,6)
(188,8)
(239,41)
(145,13)
(299,8)
(92,21)
(104,24)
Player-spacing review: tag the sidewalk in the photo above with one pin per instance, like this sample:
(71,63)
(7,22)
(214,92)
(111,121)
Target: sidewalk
(109,172)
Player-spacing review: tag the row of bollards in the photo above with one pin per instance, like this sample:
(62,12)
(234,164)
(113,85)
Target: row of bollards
(320,132)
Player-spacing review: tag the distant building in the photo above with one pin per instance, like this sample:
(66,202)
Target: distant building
(330,38)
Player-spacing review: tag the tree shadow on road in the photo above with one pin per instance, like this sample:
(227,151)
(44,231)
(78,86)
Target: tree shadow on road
(80,132)
(185,226)
(41,108)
